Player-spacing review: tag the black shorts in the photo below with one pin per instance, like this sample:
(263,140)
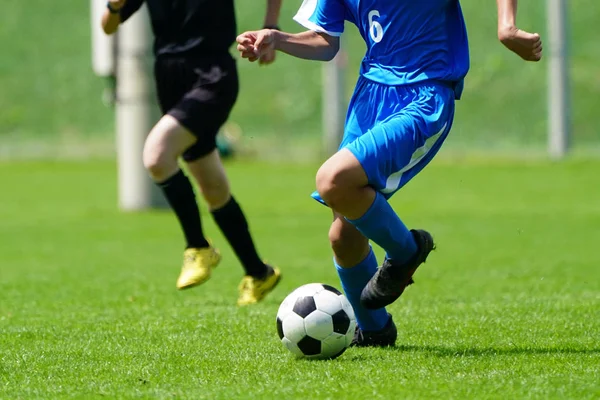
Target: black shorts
(199,94)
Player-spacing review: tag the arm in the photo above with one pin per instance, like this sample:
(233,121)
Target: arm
(117,12)
(308,45)
(507,15)
(111,19)
(526,45)
(272,14)
(271,22)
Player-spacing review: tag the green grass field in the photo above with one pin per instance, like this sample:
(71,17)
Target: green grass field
(506,308)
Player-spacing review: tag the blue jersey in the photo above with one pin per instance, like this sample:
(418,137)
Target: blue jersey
(408,41)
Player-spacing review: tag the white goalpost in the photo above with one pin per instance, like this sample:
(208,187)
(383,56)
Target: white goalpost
(137,112)
(558,80)
(128,56)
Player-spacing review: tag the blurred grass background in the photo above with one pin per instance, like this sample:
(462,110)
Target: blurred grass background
(51,102)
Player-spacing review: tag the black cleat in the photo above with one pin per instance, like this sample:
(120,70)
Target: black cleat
(383,338)
(391,279)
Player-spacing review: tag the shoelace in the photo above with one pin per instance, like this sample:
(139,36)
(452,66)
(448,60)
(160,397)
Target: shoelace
(383,279)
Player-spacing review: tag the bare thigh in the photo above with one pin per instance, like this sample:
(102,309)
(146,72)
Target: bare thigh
(167,140)
(209,173)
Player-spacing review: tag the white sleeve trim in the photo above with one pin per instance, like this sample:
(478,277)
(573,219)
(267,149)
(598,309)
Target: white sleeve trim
(307,9)
(305,22)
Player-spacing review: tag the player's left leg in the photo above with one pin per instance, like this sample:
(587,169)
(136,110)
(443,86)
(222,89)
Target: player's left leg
(165,143)
(356,264)
(356,180)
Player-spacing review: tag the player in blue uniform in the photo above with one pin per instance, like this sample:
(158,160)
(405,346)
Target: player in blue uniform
(399,116)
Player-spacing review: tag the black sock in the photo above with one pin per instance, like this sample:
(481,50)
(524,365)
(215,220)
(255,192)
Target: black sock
(180,194)
(234,226)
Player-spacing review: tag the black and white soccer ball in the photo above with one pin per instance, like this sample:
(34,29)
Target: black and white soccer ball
(316,321)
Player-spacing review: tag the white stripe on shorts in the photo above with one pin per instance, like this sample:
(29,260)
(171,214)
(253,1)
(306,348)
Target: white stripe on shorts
(393,181)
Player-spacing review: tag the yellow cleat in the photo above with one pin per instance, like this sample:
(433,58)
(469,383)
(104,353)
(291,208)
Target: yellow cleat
(197,266)
(252,290)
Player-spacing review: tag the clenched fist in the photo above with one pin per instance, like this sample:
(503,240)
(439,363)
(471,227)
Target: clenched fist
(526,45)
(256,45)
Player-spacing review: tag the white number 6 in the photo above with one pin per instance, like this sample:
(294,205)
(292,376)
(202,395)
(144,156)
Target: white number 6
(375,28)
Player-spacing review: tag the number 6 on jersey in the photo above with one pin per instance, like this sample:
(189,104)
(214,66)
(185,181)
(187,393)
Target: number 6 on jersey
(375,28)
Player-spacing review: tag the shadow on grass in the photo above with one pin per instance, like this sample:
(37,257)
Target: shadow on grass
(444,351)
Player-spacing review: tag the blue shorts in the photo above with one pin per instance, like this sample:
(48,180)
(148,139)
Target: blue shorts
(395,131)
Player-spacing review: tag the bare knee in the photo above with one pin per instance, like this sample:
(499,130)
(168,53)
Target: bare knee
(329,184)
(340,179)
(159,164)
(349,246)
(165,143)
(216,193)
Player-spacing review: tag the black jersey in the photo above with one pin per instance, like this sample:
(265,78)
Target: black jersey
(188,27)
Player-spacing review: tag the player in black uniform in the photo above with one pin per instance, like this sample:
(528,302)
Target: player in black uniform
(197,85)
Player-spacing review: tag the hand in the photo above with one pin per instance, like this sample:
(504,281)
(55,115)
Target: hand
(268,57)
(116,4)
(254,45)
(526,45)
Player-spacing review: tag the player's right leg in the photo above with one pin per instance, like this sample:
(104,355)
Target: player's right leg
(259,278)
(356,264)
(165,143)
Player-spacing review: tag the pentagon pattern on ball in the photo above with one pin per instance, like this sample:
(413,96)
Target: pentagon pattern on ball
(304,306)
(318,325)
(285,308)
(331,289)
(334,345)
(292,347)
(328,302)
(280,328)
(341,322)
(316,321)
(346,306)
(293,327)
(310,346)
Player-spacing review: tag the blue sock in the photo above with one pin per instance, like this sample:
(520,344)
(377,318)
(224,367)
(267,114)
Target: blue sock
(353,281)
(381,224)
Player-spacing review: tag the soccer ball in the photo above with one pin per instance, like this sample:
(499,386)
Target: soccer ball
(316,321)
